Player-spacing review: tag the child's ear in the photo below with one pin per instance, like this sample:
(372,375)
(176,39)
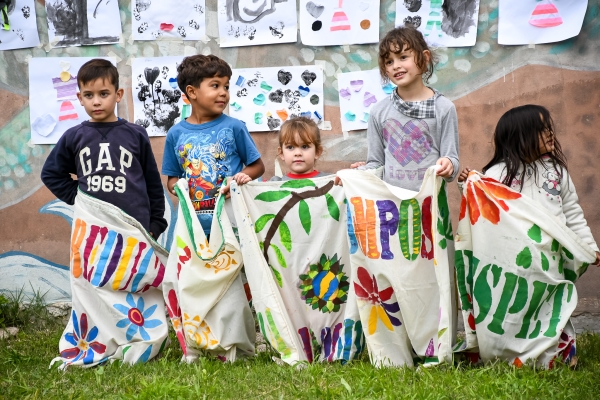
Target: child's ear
(80,98)
(280,153)
(190,92)
(427,56)
(120,94)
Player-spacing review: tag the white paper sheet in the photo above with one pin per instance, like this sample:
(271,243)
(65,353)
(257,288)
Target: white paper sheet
(265,97)
(339,22)
(535,22)
(255,22)
(359,91)
(55,100)
(67,22)
(157,101)
(455,28)
(23,28)
(162,18)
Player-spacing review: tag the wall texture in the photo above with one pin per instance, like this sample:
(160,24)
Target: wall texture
(484,81)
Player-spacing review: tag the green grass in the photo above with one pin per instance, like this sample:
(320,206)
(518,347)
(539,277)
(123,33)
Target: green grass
(24,373)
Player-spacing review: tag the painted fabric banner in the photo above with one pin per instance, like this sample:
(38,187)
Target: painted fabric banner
(294,233)
(116,275)
(203,288)
(402,277)
(516,266)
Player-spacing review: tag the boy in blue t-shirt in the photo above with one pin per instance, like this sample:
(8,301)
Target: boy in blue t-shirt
(208,146)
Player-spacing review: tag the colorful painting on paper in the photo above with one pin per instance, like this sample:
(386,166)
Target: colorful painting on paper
(443,23)
(19,30)
(158,19)
(53,103)
(516,268)
(293,236)
(339,22)
(257,22)
(402,276)
(539,21)
(116,271)
(265,97)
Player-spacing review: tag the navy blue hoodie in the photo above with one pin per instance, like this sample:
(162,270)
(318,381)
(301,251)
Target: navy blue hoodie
(113,162)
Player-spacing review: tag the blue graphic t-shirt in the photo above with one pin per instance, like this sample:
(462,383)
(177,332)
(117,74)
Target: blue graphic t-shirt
(205,155)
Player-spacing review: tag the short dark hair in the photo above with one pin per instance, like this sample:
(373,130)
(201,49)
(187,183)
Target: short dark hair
(98,69)
(194,69)
(406,38)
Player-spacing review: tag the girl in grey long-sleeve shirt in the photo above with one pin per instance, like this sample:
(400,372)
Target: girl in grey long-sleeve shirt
(416,126)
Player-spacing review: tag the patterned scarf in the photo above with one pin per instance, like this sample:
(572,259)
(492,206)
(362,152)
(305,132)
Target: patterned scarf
(415,109)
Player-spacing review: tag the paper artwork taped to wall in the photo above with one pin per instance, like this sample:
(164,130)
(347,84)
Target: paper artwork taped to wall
(83,22)
(157,19)
(158,104)
(359,91)
(443,23)
(265,97)
(539,21)
(53,103)
(256,22)
(339,22)
(18,28)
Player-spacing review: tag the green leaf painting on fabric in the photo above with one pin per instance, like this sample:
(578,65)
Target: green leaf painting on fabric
(441,332)
(277,276)
(285,236)
(545,262)
(535,233)
(298,183)
(304,213)
(273,195)
(444,224)
(524,258)
(262,222)
(332,207)
(279,255)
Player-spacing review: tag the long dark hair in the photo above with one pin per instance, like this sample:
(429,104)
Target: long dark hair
(516,142)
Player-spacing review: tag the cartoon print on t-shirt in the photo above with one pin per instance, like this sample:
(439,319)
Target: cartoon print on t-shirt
(552,182)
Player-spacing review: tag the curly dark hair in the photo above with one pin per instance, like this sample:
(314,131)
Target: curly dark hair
(194,69)
(406,38)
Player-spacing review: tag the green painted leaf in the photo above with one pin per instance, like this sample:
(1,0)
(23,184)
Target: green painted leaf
(524,258)
(443,243)
(273,195)
(304,212)
(555,245)
(277,276)
(262,246)
(535,233)
(332,206)
(279,256)
(545,262)
(298,183)
(262,222)
(567,253)
(285,236)
(441,332)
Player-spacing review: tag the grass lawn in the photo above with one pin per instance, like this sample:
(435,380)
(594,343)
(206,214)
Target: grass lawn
(24,373)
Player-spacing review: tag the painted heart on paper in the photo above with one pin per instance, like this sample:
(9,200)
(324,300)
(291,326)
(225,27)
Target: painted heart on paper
(314,9)
(260,99)
(411,142)
(364,5)
(284,77)
(276,96)
(308,77)
(345,93)
(304,91)
(357,84)
(369,99)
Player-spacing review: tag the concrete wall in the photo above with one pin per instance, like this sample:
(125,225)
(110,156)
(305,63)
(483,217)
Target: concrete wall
(484,81)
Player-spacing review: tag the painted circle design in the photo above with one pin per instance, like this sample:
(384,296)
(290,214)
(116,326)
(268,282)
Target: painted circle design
(316,26)
(136,317)
(365,24)
(325,286)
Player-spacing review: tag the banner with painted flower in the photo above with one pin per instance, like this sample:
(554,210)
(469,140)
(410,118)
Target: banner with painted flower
(116,271)
(401,273)
(294,242)
(205,297)
(516,267)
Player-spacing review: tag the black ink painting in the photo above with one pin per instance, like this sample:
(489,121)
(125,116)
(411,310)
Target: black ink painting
(70,24)
(459,16)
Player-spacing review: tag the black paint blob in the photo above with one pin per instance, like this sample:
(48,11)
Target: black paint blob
(314,99)
(308,77)
(316,26)
(284,77)
(276,96)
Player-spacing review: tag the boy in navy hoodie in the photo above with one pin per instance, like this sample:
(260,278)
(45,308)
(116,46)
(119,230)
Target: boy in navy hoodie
(111,157)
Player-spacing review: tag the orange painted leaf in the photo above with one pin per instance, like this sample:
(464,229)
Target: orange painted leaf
(473,207)
(489,210)
(463,208)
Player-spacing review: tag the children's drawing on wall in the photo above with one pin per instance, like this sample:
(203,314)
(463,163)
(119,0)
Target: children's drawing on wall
(155,19)
(255,22)
(339,22)
(539,21)
(265,97)
(53,103)
(83,22)
(442,22)
(359,91)
(158,104)
(18,29)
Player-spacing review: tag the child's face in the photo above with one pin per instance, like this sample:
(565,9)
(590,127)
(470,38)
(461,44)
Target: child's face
(402,70)
(99,98)
(211,97)
(546,142)
(299,159)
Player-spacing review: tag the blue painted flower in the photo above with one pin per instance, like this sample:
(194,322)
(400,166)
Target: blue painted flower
(137,318)
(85,346)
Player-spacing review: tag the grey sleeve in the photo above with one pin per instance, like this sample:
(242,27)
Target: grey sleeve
(449,140)
(375,144)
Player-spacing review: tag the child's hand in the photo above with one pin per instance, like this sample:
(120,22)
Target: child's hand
(337,181)
(464,174)
(597,262)
(241,178)
(357,164)
(447,167)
